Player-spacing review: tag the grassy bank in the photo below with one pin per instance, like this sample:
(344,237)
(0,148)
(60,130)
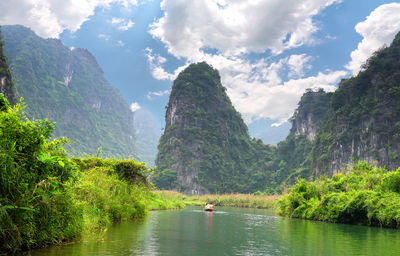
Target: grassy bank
(233,200)
(47,198)
(238,200)
(365,195)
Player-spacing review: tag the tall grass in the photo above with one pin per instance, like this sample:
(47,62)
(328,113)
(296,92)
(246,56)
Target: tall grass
(239,200)
(234,200)
(162,200)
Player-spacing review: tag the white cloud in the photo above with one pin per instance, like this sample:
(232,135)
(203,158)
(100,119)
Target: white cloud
(120,43)
(103,36)
(155,62)
(122,24)
(258,88)
(152,95)
(49,18)
(379,28)
(135,106)
(297,64)
(235,27)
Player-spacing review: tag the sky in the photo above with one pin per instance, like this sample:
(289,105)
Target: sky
(268,52)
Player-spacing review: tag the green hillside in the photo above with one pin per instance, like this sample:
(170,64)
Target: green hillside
(68,87)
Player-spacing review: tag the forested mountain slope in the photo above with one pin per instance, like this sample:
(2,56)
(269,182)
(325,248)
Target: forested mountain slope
(359,121)
(206,147)
(68,87)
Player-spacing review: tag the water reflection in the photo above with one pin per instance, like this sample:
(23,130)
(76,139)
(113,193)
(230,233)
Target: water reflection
(232,231)
(208,222)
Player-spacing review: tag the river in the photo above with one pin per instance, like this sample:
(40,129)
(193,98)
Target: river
(232,231)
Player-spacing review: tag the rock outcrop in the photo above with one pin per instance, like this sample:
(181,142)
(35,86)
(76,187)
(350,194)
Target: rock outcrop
(206,147)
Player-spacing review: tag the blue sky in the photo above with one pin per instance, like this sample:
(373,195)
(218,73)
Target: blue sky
(268,52)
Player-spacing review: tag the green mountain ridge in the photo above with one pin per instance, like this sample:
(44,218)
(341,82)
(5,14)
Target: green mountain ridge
(68,87)
(360,121)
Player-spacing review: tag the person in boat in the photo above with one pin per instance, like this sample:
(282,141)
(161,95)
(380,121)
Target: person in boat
(209,206)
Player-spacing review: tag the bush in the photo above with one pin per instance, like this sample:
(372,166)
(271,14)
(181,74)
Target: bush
(34,204)
(366,195)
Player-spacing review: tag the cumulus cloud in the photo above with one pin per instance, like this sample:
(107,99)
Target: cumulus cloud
(222,33)
(152,95)
(134,106)
(298,63)
(257,90)
(49,18)
(122,24)
(156,62)
(378,29)
(189,26)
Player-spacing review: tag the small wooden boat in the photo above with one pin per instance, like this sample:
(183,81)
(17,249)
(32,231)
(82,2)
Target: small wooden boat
(209,207)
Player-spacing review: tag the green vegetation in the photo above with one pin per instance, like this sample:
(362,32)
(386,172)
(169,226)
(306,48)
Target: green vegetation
(68,87)
(365,195)
(163,200)
(206,137)
(359,121)
(46,197)
(238,200)
(7,87)
(232,200)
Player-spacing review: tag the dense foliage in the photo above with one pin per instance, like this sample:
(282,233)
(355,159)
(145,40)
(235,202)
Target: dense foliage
(365,195)
(68,87)
(35,206)
(46,197)
(206,138)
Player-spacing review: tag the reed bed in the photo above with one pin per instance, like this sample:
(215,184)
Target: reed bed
(233,200)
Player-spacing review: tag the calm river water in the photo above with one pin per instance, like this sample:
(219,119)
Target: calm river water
(233,231)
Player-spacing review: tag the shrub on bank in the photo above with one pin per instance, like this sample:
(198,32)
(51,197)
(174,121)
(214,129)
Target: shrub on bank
(35,207)
(46,198)
(365,195)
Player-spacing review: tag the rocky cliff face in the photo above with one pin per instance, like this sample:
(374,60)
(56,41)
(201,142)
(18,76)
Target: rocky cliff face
(359,121)
(206,146)
(68,87)
(7,87)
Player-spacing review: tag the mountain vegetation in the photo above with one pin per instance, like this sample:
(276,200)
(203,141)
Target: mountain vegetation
(7,87)
(68,87)
(206,147)
(360,121)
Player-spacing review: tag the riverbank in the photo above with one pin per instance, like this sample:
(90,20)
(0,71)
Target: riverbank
(239,200)
(365,195)
(232,200)
(47,197)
